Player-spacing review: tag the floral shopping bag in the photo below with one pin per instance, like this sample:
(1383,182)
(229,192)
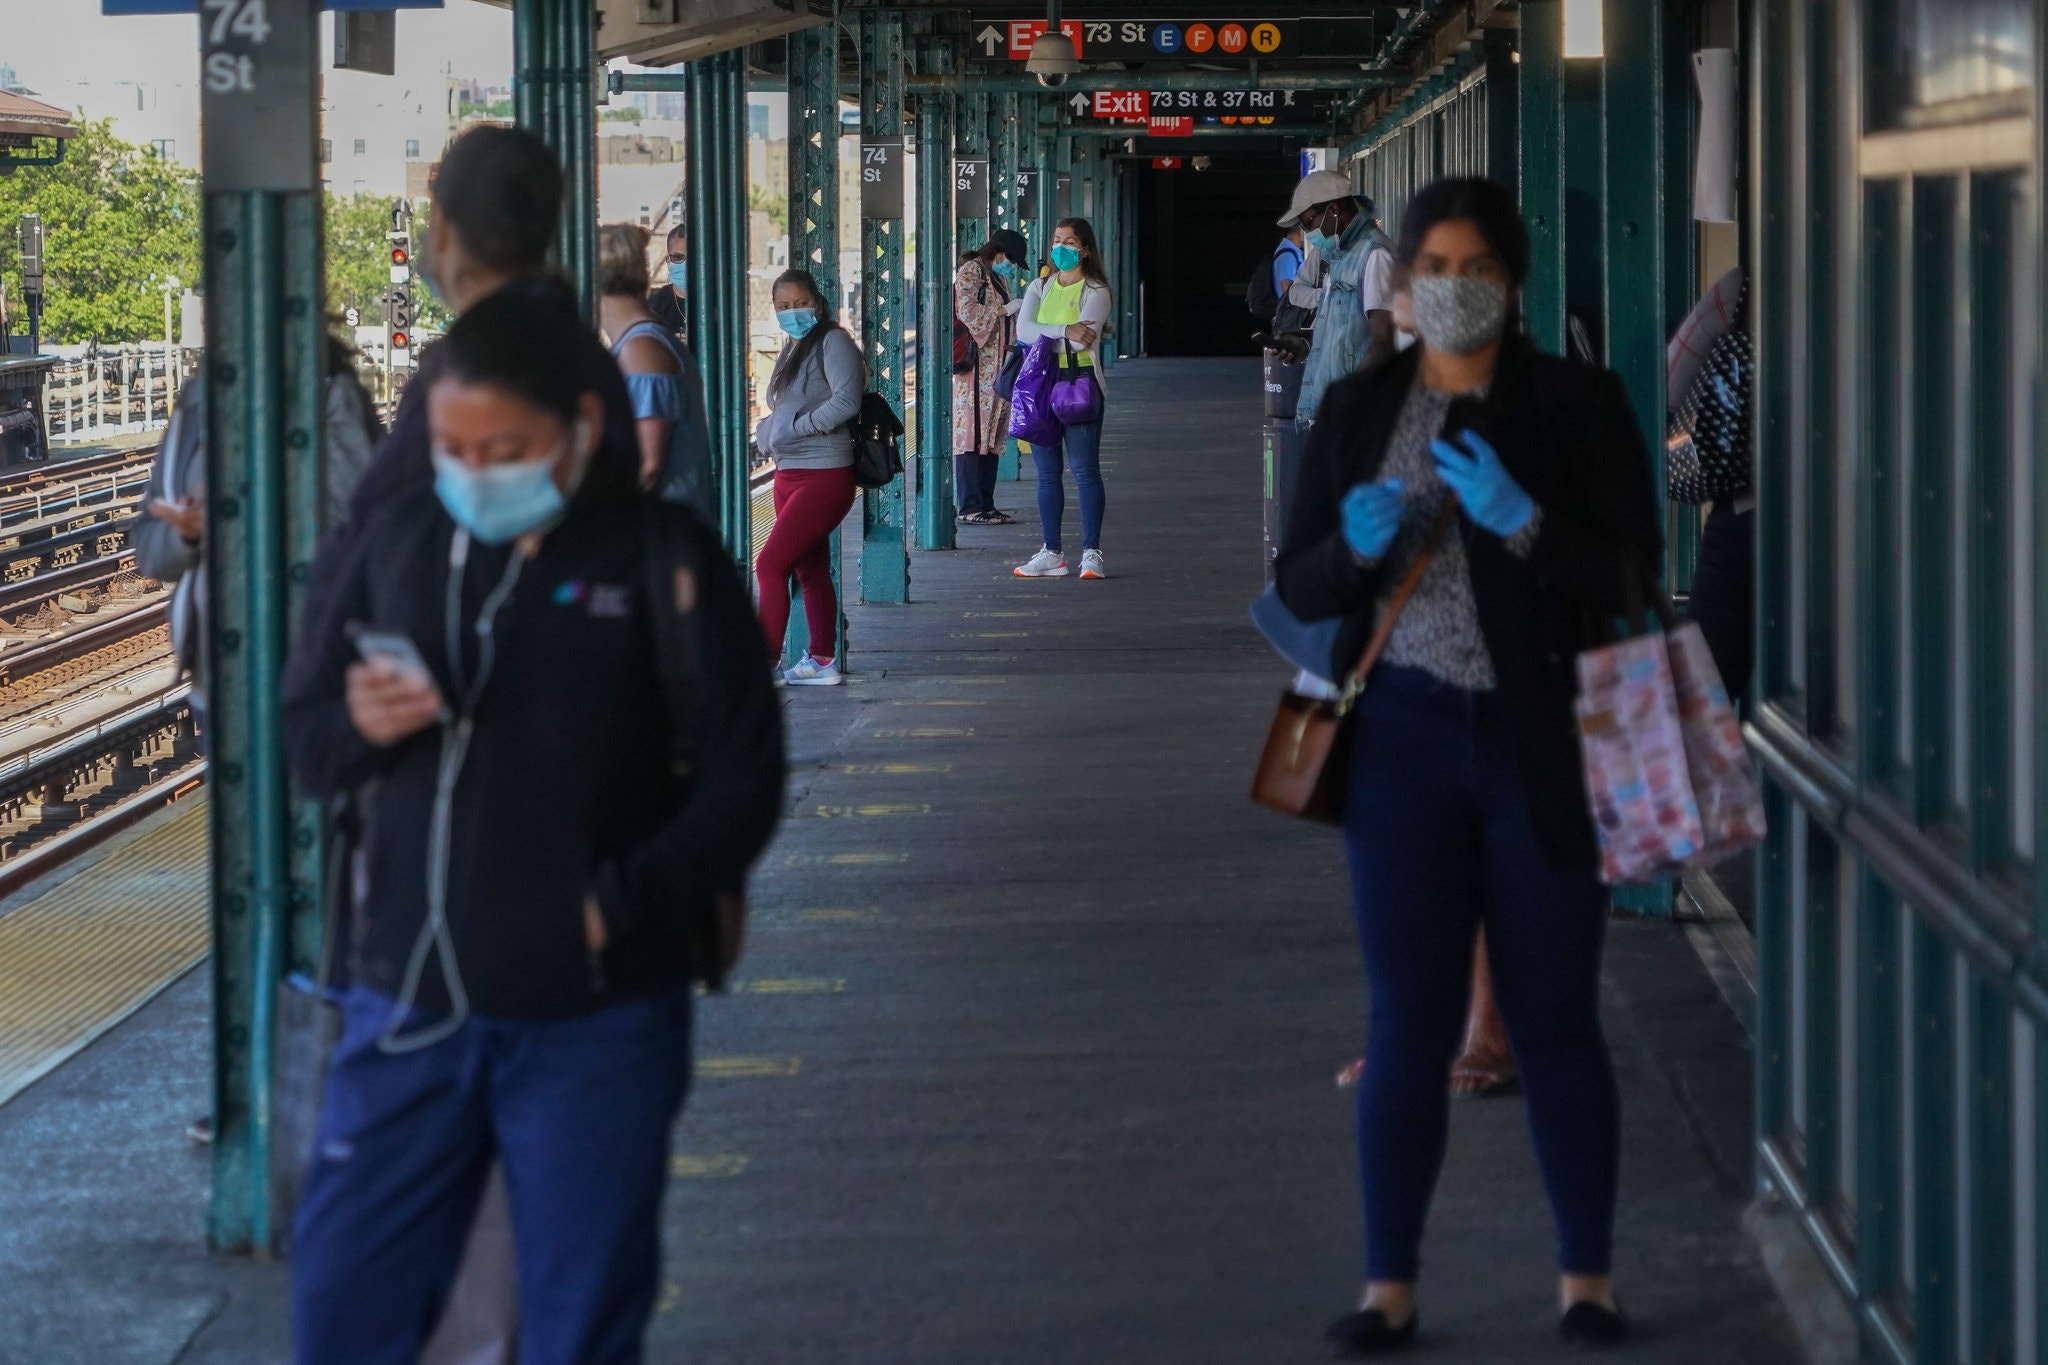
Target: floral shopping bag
(1723,777)
(1637,783)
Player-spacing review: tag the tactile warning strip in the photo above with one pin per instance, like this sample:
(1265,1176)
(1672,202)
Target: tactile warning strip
(89,952)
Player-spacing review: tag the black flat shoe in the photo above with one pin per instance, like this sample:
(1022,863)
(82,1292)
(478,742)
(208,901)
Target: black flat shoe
(1368,1333)
(1590,1327)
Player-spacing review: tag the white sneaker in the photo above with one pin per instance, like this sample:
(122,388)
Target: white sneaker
(1091,564)
(1044,564)
(808,672)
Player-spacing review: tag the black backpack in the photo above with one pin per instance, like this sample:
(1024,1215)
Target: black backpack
(1259,294)
(877,442)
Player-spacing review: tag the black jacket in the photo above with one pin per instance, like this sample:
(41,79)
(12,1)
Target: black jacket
(569,788)
(1566,433)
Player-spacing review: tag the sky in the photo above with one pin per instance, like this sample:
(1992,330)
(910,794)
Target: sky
(49,40)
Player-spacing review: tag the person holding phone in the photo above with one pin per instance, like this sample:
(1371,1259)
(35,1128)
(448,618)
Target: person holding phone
(553,682)
(1526,480)
(1070,305)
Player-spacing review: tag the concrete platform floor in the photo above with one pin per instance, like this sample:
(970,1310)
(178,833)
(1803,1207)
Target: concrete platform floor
(1032,1063)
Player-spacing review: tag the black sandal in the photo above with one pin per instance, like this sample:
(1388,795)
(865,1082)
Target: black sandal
(992,517)
(1368,1333)
(1589,1326)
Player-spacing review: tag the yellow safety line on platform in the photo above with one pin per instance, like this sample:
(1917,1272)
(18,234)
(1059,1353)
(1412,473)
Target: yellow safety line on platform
(89,952)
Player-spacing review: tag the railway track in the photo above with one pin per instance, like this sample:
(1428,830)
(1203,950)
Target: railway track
(26,482)
(82,656)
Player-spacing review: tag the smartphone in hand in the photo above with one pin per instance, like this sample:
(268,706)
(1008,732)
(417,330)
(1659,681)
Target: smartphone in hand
(390,648)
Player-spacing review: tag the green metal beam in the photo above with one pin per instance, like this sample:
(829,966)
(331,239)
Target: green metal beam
(1540,113)
(716,133)
(935,530)
(554,55)
(814,231)
(264,376)
(1299,133)
(885,545)
(1005,205)
(967,82)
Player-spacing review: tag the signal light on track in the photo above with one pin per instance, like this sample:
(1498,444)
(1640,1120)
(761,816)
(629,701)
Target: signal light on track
(400,256)
(399,341)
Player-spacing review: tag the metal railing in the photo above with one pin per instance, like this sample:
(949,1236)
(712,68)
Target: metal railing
(118,391)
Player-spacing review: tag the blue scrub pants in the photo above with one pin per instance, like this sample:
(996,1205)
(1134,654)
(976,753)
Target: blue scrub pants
(1439,839)
(578,1110)
(1083,455)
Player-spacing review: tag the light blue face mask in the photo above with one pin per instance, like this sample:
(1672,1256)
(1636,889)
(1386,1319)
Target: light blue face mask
(1065,258)
(1006,270)
(679,276)
(502,502)
(797,322)
(1322,241)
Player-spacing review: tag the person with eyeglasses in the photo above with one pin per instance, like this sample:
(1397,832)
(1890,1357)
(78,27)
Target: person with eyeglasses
(669,300)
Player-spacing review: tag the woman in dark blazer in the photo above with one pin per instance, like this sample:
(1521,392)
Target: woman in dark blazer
(1465,801)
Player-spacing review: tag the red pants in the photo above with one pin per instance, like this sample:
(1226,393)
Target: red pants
(809,505)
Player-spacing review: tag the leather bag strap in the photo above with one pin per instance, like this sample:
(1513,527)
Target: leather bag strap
(1383,629)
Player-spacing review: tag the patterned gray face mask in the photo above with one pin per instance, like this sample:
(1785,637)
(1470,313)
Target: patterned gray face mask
(1456,314)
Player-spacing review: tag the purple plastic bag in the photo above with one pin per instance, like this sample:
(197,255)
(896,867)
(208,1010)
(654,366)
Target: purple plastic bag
(1032,419)
(1076,394)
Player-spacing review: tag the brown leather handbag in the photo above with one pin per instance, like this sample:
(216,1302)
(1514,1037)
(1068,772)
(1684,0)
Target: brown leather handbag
(1301,770)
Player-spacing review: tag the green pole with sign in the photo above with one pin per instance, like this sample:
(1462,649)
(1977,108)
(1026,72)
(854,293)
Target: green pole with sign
(885,546)
(935,528)
(266,352)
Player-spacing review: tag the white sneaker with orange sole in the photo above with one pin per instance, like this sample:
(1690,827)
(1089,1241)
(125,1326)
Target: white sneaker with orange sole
(1091,564)
(1044,564)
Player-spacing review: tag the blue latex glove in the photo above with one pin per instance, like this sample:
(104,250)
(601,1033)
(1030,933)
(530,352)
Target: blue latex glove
(1372,516)
(1492,498)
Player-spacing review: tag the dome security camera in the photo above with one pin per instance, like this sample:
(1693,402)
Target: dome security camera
(1052,59)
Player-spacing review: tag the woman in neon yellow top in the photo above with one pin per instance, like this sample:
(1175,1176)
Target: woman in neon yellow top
(1071,304)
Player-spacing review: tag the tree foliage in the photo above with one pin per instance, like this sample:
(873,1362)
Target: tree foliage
(118,221)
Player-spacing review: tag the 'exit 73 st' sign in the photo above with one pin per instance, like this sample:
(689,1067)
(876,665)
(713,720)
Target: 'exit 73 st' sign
(994,37)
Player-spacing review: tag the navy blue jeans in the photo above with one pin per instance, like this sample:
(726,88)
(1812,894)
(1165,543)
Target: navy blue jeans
(974,482)
(1083,454)
(1439,840)
(578,1110)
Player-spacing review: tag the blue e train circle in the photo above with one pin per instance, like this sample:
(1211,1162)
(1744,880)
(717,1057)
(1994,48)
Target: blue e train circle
(1166,37)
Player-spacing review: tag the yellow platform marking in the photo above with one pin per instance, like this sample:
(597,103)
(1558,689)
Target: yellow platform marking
(894,769)
(671,1295)
(747,1068)
(795,985)
(926,732)
(900,808)
(835,916)
(968,682)
(991,635)
(935,701)
(844,859)
(723,1167)
(88,953)
(995,615)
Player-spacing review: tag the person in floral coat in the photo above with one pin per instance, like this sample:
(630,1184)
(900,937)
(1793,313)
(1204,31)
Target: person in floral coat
(986,295)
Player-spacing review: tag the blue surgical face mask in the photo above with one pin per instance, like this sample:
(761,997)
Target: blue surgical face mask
(679,276)
(797,322)
(502,502)
(1006,270)
(1065,258)
(1322,241)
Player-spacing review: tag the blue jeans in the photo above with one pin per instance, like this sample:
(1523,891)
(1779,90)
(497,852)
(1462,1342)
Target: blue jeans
(579,1112)
(1439,841)
(974,483)
(1084,456)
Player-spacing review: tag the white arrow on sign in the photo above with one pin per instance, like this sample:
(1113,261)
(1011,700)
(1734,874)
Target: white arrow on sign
(990,39)
(1079,104)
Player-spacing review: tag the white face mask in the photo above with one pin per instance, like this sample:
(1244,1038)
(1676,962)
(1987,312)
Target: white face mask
(1458,315)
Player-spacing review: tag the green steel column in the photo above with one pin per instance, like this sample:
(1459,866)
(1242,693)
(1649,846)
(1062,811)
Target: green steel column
(935,529)
(716,131)
(814,225)
(1503,107)
(1130,278)
(261,228)
(1637,189)
(1540,115)
(1006,210)
(1585,198)
(885,548)
(1044,159)
(554,55)
(971,143)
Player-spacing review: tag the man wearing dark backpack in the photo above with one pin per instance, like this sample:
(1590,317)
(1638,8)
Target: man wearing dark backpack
(1267,288)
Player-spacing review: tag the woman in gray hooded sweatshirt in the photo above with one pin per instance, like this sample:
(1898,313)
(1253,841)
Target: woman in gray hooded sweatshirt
(813,396)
